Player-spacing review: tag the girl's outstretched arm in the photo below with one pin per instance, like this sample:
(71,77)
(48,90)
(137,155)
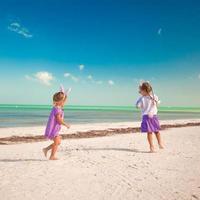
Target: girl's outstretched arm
(60,120)
(139,103)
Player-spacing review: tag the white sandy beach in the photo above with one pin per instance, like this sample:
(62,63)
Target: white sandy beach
(105,168)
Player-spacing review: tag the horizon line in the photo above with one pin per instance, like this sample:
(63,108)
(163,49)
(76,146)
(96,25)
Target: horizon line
(12,104)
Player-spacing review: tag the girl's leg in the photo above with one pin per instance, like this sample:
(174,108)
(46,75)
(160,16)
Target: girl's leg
(54,147)
(150,140)
(158,137)
(45,150)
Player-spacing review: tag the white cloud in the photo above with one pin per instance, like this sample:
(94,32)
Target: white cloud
(159,31)
(15,24)
(81,67)
(67,75)
(43,77)
(90,77)
(73,78)
(16,27)
(92,80)
(110,82)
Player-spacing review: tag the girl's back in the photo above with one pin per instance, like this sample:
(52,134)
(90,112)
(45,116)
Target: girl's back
(148,104)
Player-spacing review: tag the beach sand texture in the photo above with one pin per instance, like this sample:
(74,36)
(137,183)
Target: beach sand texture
(105,168)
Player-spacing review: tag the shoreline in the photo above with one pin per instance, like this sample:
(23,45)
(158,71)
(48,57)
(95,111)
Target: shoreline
(101,107)
(91,132)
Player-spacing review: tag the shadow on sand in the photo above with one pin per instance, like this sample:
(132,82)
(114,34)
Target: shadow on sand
(22,160)
(84,149)
(113,149)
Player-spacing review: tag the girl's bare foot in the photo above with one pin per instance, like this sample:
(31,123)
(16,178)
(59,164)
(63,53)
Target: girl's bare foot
(161,146)
(45,152)
(53,158)
(152,150)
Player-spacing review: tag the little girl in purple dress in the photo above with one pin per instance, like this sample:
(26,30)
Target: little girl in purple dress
(148,103)
(56,119)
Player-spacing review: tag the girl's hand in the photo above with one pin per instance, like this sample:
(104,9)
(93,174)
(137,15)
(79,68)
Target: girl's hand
(60,120)
(68,125)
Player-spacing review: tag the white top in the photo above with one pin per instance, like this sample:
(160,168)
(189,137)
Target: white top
(147,105)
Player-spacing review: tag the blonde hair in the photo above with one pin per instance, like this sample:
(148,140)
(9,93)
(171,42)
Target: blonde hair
(149,90)
(59,96)
(146,87)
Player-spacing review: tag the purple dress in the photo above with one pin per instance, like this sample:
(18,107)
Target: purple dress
(53,127)
(150,124)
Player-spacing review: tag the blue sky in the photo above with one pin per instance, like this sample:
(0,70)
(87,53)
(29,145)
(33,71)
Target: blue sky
(102,49)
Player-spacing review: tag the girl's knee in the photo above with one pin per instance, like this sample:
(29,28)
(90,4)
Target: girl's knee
(57,143)
(57,140)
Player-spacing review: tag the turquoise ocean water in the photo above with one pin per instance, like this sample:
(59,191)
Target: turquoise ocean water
(33,115)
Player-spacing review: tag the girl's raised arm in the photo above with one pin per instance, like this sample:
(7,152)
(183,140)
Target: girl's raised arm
(139,103)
